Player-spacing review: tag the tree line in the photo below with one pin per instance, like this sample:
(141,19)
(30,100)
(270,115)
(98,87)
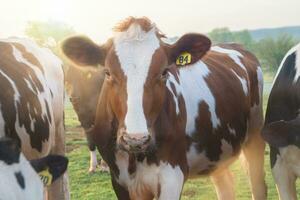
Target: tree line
(270,51)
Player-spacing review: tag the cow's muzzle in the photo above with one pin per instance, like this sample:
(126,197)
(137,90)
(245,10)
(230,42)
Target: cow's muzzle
(135,143)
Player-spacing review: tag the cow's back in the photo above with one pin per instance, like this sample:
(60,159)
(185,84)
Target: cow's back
(31,95)
(223,100)
(284,99)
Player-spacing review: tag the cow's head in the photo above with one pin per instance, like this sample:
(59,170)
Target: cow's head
(83,86)
(23,179)
(136,62)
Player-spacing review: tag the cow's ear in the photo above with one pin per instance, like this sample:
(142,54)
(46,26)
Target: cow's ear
(282,133)
(83,51)
(188,49)
(50,168)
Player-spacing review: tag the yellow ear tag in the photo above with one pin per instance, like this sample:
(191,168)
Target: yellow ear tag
(184,59)
(89,75)
(46,177)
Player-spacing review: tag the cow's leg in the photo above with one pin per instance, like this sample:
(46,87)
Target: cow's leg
(171,182)
(121,192)
(224,184)
(60,188)
(93,157)
(93,154)
(252,158)
(285,180)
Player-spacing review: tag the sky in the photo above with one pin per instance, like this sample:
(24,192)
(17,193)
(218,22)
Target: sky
(95,18)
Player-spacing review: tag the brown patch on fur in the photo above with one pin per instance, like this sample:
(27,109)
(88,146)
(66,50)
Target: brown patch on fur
(29,106)
(251,63)
(132,164)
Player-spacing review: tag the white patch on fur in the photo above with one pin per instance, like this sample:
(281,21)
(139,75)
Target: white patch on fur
(194,90)
(177,85)
(243,82)
(93,160)
(233,54)
(260,84)
(135,49)
(9,187)
(150,177)
(297,63)
(171,182)
(2,123)
(197,162)
(291,155)
(286,168)
(231,130)
(227,150)
(256,119)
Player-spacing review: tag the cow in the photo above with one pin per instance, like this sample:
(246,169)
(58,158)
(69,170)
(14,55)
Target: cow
(171,111)
(19,178)
(32,102)
(83,87)
(282,125)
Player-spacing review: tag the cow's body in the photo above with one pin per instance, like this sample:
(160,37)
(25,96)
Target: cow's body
(282,125)
(31,99)
(83,87)
(172,123)
(203,96)
(19,178)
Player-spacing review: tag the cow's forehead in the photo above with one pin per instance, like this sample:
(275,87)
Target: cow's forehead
(135,49)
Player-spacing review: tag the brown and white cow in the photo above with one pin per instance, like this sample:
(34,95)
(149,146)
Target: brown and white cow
(168,112)
(282,126)
(32,102)
(83,87)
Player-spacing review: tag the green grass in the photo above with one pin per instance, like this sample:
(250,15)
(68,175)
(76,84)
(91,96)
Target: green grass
(97,186)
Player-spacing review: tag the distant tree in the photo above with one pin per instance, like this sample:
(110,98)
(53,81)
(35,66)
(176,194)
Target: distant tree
(271,51)
(244,37)
(48,34)
(221,35)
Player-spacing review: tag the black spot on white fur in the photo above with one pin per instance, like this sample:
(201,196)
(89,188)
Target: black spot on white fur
(20,179)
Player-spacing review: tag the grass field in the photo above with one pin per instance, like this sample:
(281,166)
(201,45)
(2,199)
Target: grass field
(97,186)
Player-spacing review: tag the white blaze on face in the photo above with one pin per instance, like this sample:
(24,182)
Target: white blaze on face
(135,49)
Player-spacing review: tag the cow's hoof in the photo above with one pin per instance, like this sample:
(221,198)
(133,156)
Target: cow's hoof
(103,166)
(92,170)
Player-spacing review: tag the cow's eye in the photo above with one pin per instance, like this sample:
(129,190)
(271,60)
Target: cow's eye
(164,74)
(107,72)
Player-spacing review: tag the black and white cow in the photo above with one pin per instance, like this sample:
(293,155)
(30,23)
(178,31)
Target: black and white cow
(282,126)
(32,102)
(19,178)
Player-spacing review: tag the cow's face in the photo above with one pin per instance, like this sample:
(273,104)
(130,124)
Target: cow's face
(136,63)
(83,87)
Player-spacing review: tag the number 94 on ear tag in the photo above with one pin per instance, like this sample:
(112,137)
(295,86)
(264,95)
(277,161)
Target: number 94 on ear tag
(184,59)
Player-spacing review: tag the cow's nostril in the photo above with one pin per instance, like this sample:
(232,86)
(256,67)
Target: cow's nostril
(135,142)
